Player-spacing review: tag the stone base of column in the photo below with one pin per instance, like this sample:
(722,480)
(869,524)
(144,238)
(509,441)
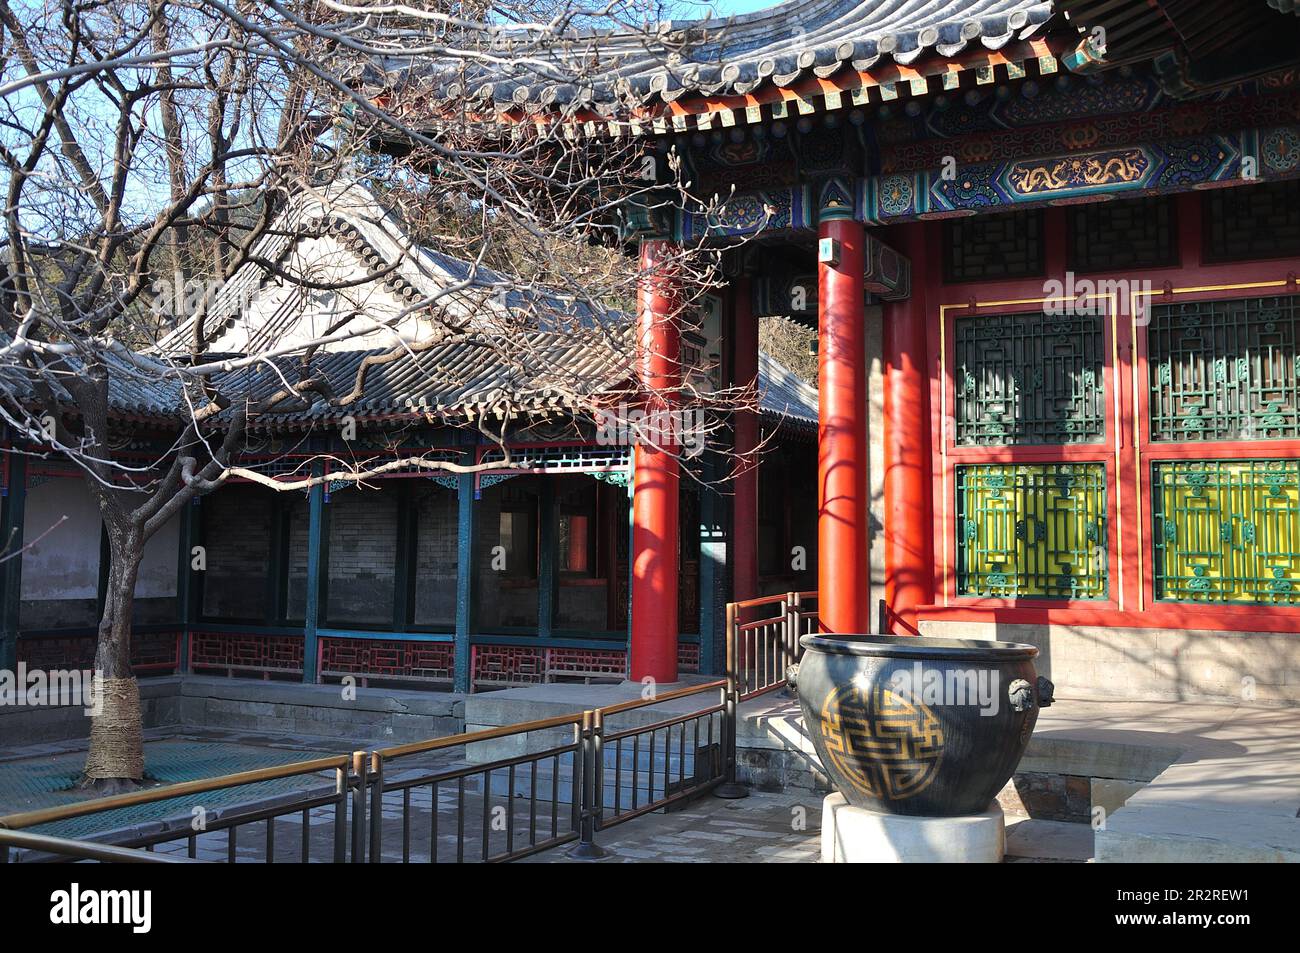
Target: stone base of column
(852,835)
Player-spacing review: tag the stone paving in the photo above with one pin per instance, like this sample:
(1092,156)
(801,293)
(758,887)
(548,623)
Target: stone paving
(761,828)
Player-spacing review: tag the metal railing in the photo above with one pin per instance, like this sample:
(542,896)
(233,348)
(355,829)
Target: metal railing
(505,821)
(763,639)
(573,776)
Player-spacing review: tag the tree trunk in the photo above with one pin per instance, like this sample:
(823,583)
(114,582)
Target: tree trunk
(116,756)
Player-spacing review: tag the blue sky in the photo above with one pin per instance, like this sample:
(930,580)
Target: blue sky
(725,7)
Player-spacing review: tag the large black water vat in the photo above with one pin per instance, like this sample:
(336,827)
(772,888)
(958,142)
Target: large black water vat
(919,725)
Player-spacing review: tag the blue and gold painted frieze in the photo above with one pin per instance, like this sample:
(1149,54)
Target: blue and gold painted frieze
(1176,165)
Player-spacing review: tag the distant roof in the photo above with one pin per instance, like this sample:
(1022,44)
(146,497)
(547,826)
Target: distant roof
(481,372)
(377,239)
(475,377)
(779,45)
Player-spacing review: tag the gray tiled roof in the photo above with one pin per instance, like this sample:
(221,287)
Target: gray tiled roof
(1286,6)
(484,375)
(736,55)
(462,376)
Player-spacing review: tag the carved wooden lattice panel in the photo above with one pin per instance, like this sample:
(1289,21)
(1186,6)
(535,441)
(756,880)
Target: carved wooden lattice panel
(987,247)
(1227,531)
(1253,222)
(1120,236)
(1030,379)
(1225,370)
(1032,530)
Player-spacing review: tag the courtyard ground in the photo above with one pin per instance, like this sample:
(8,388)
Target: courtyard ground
(762,828)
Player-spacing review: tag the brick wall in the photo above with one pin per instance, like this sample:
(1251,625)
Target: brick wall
(362,555)
(299,518)
(435,566)
(237,538)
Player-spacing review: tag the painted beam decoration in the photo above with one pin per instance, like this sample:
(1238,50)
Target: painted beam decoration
(1178,165)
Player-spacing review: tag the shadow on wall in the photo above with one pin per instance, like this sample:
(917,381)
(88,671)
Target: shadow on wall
(1250,668)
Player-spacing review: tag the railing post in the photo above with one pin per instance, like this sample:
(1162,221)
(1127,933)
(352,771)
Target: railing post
(341,815)
(794,606)
(377,807)
(730,788)
(359,808)
(587,760)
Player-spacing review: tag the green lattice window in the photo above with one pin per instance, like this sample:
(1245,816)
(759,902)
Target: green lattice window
(1032,530)
(1225,370)
(1030,379)
(1227,531)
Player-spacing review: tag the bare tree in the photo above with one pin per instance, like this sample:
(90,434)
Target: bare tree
(146,145)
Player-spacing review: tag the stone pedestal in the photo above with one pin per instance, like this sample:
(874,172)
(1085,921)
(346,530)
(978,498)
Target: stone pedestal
(852,835)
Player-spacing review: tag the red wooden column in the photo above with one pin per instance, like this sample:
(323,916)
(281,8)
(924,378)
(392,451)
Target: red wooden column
(909,514)
(654,480)
(842,455)
(744,501)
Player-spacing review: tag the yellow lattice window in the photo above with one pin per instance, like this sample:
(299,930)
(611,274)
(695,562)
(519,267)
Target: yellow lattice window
(1227,531)
(1032,530)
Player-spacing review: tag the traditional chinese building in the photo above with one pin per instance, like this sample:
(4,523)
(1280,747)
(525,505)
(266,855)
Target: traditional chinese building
(514,573)
(1050,248)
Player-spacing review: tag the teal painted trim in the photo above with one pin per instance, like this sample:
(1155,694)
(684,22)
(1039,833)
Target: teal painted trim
(555,642)
(11,570)
(466,565)
(602,635)
(316,556)
(388,636)
(90,632)
(547,543)
(248,628)
(613,640)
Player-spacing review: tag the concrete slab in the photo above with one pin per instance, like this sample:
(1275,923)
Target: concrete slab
(1033,840)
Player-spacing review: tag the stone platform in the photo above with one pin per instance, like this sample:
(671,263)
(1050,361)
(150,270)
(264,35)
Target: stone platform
(851,835)
(368,715)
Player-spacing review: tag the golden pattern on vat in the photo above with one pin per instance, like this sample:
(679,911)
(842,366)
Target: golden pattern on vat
(885,744)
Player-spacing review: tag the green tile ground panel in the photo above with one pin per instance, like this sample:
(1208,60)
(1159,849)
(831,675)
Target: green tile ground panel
(1227,531)
(34,783)
(1225,370)
(1030,379)
(1032,530)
